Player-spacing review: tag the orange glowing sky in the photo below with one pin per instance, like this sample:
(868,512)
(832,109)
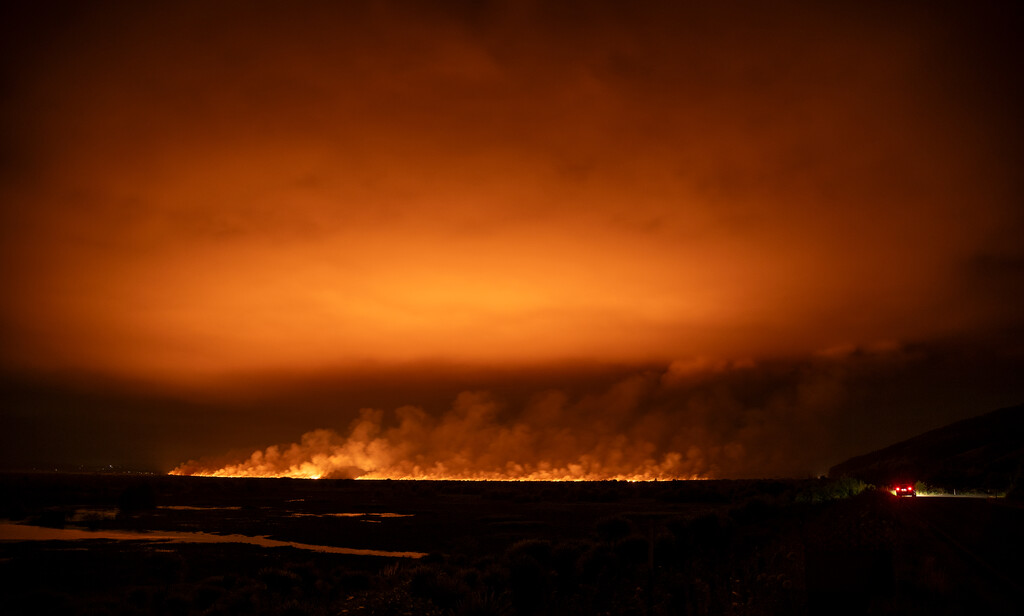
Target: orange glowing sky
(217,188)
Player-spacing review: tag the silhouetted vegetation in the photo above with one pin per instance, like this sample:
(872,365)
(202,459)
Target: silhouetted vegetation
(984,453)
(727,547)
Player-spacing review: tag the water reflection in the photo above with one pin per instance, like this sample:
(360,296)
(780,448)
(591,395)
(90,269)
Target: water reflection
(24,532)
(93,515)
(193,508)
(353,515)
(377,515)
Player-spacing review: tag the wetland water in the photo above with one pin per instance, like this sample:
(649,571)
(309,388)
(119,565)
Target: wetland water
(24,532)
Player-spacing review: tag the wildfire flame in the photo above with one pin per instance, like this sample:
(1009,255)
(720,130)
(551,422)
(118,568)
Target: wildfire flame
(468,443)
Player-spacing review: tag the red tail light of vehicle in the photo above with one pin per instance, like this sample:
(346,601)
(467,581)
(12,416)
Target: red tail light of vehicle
(904,489)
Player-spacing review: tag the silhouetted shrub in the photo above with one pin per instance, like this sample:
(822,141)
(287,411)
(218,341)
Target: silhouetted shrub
(165,567)
(353,580)
(431,583)
(538,549)
(298,608)
(528,582)
(483,604)
(592,563)
(279,581)
(831,489)
(709,531)
(564,557)
(613,529)
(493,576)
(753,511)
(205,596)
(175,605)
(632,550)
(242,600)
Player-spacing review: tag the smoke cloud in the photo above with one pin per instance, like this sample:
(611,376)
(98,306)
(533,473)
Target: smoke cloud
(697,418)
(190,191)
(200,202)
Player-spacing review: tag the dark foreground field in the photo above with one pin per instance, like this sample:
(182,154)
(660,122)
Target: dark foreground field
(722,547)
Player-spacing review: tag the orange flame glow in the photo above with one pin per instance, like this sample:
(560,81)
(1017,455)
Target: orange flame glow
(468,443)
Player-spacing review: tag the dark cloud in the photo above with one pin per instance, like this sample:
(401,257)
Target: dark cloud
(779,417)
(201,190)
(771,417)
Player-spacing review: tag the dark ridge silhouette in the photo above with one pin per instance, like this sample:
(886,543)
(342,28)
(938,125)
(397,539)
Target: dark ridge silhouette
(984,452)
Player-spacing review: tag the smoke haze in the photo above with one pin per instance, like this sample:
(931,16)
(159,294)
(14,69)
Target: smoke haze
(645,239)
(694,419)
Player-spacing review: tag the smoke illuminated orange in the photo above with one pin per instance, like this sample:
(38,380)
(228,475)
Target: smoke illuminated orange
(450,197)
(215,207)
(468,443)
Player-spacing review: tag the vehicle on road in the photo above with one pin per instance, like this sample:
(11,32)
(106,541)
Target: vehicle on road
(904,489)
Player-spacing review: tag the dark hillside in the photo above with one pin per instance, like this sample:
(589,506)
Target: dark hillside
(984,452)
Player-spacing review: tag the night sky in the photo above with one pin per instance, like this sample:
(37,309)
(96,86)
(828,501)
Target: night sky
(505,239)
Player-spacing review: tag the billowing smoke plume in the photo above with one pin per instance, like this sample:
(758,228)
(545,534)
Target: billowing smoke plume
(695,419)
(472,442)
